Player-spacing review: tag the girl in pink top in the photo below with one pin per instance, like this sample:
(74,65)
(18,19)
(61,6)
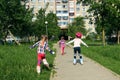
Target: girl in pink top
(62,45)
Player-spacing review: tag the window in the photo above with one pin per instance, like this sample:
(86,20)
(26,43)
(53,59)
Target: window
(83,8)
(65,23)
(64,12)
(64,1)
(59,17)
(51,0)
(65,17)
(71,14)
(59,6)
(33,0)
(78,9)
(71,4)
(39,0)
(78,5)
(65,6)
(71,10)
(58,0)
(71,20)
(58,12)
(59,23)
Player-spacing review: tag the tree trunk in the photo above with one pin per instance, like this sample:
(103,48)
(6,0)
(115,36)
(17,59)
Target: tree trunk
(103,36)
(13,37)
(118,37)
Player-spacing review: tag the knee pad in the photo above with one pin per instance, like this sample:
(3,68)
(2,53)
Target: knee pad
(45,61)
(74,57)
(80,57)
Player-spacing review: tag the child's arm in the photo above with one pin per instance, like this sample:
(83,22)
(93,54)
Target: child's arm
(70,42)
(47,48)
(84,43)
(34,45)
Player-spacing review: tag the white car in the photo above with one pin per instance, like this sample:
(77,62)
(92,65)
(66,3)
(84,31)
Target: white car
(9,38)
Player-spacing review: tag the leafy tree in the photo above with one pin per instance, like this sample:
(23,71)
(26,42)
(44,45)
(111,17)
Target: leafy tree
(105,14)
(77,26)
(40,23)
(53,29)
(15,17)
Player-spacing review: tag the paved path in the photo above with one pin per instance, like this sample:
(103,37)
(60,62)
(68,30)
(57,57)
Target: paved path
(90,70)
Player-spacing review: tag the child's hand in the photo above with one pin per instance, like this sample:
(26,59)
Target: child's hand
(52,52)
(86,45)
(31,47)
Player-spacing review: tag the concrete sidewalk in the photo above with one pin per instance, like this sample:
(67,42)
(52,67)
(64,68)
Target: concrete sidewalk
(90,70)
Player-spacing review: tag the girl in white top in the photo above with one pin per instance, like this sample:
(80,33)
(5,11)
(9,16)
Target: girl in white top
(77,44)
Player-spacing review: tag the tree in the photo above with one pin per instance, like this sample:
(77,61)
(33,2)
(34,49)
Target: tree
(78,25)
(105,14)
(53,29)
(15,17)
(40,23)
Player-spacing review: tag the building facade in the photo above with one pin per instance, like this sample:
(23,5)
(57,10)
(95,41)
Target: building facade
(65,10)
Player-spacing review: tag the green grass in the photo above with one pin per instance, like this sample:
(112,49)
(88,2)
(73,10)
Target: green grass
(108,56)
(19,63)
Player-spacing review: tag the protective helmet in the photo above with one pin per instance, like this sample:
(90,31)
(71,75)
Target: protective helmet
(78,35)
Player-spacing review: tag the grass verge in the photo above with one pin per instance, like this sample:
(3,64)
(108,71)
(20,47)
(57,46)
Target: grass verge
(19,63)
(108,56)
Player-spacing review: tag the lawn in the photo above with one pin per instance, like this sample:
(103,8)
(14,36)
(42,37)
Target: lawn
(19,63)
(108,56)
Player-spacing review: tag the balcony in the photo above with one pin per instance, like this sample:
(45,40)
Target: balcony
(71,14)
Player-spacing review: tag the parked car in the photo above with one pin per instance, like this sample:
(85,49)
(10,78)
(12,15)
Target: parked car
(10,39)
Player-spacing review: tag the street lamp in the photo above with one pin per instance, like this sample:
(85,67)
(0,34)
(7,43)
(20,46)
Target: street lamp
(46,28)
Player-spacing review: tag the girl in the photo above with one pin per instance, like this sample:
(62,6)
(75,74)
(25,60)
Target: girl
(62,45)
(42,45)
(77,44)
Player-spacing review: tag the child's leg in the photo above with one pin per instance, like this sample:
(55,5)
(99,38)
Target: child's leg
(38,63)
(63,50)
(80,56)
(75,51)
(46,63)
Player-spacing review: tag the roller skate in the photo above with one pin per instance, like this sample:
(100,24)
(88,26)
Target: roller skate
(81,60)
(38,69)
(74,61)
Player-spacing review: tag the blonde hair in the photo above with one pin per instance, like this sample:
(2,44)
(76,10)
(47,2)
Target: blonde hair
(43,39)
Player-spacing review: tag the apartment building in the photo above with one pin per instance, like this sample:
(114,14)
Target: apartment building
(65,10)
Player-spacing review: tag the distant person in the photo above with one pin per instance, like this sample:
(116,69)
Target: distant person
(42,46)
(77,44)
(62,45)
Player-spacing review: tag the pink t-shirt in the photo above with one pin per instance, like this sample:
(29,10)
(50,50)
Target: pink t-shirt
(62,43)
